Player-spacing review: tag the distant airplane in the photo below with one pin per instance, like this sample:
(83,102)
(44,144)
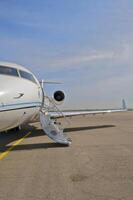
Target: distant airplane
(23,100)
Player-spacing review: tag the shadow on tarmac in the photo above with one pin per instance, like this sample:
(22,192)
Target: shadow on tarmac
(11,136)
(75,129)
(37,146)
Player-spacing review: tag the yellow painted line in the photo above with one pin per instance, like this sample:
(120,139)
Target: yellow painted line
(2,155)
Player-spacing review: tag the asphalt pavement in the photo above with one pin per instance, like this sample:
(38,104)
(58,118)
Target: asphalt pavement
(97,166)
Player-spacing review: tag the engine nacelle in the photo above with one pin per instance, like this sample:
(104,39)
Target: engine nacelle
(59,96)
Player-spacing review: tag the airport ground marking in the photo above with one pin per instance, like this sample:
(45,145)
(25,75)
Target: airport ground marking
(2,155)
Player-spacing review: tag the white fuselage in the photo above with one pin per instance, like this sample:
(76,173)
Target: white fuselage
(20,98)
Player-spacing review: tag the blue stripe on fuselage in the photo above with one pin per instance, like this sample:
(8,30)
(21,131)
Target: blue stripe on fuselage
(20,106)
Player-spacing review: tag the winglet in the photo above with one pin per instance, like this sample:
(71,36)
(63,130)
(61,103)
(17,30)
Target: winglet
(124,106)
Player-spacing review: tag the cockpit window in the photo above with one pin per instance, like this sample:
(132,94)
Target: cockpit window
(8,71)
(27,76)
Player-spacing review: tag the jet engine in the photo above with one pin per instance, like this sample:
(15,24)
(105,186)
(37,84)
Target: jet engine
(59,96)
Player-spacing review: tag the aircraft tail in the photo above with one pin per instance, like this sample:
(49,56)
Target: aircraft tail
(124,106)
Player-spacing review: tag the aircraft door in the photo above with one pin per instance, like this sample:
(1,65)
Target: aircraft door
(2,117)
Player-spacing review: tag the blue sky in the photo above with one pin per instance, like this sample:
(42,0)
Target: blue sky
(85,44)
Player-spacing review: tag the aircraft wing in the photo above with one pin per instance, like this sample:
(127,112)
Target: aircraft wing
(83,113)
(55,132)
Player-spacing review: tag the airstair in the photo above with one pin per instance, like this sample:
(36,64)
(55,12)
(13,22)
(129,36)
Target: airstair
(50,126)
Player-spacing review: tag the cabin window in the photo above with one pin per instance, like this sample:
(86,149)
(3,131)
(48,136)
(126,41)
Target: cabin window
(8,71)
(27,76)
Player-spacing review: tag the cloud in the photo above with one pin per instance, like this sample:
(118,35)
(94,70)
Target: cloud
(122,54)
(80,59)
(39,54)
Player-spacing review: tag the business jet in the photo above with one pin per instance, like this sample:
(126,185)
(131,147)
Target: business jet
(23,100)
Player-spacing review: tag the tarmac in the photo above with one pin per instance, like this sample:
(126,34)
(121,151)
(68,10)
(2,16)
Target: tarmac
(98,165)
